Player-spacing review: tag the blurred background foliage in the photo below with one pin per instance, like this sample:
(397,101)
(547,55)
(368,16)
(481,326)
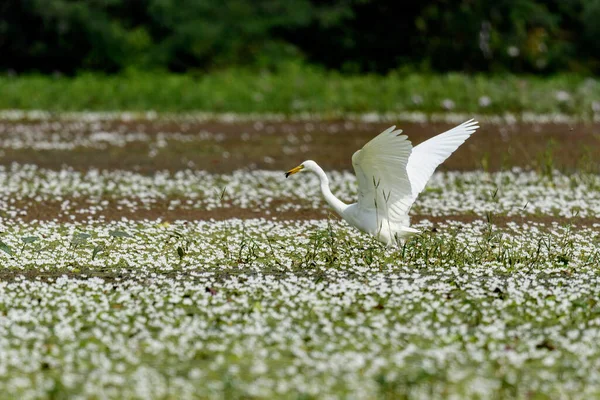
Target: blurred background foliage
(519,36)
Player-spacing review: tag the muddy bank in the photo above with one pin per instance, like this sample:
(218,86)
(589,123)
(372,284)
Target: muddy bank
(148,146)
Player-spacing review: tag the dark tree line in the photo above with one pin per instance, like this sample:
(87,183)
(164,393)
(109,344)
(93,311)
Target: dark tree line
(349,35)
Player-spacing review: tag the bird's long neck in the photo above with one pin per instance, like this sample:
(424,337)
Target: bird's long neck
(335,203)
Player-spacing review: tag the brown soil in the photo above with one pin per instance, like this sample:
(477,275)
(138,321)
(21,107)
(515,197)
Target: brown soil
(51,211)
(282,145)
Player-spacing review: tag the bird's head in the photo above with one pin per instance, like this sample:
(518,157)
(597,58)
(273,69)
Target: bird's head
(308,165)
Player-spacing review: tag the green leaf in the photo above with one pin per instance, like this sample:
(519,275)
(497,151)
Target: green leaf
(29,239)
(97,250)
(181,252)
(6,248)
(119,234)
(80,238)
(176,234)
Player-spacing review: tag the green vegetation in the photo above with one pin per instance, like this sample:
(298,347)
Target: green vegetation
(297,88)
(485,35)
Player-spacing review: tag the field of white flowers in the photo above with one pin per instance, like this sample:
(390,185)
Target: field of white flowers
(27,188)
(116,283)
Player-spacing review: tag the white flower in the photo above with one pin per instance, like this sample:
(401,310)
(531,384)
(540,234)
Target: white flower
(484,101)
(513,51)
(448,104)
(562,96)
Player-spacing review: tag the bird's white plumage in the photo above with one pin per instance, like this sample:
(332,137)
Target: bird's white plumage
(426,157)
(381,170)
(391,174)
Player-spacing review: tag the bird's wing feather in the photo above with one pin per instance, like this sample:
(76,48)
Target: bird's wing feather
(383,182)
(426,157)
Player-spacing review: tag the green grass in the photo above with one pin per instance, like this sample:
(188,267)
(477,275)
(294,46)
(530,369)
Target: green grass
(298,88)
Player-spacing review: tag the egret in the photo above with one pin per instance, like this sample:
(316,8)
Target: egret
(390,174)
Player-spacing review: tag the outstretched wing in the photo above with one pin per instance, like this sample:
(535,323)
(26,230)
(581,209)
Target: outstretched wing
(426,157)
(383,181)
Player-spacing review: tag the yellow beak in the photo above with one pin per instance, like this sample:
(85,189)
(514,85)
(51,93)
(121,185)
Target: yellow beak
(294,170)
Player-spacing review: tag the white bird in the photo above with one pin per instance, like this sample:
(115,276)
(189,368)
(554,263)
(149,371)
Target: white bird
(391,174)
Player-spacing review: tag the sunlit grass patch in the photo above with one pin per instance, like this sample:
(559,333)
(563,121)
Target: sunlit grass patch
(297,89)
